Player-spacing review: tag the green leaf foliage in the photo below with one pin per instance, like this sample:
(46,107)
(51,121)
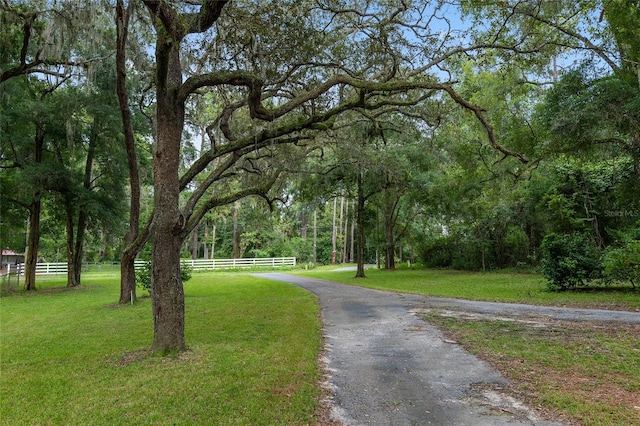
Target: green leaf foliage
(569,261)
(623,263)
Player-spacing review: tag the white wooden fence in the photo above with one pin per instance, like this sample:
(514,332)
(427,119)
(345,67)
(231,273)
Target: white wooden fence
(256,262)
(46,268)
(196,265)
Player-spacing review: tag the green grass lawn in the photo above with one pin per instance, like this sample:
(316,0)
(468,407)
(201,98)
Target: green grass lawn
(489,286)
(71,357)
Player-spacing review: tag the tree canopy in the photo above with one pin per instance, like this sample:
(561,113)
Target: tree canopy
(451,127)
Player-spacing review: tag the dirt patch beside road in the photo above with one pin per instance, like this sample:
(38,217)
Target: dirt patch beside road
(580,372)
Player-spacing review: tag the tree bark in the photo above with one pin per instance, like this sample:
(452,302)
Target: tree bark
(168,222)
(75,239)
(35,208)
(76,258)
(127,265)
(70,231)
(33,241)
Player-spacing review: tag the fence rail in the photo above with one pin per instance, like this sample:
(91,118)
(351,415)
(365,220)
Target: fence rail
(213,264)
(196,265)
(45,268)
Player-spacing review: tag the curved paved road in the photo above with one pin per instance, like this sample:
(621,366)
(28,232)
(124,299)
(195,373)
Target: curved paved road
(388,367)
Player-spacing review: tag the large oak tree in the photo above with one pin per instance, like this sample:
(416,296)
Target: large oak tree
(283,70)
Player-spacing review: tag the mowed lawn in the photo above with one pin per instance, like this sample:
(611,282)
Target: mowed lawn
(498,286)
(70,357)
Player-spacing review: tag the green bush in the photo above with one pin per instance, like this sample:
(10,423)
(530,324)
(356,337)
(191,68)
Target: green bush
(623,264)
(496,250)
(570,261)
(457,252)
(186,272)
(143,275)
(438,253)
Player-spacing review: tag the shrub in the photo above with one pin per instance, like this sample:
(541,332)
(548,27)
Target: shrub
(186,272)
(143,275)
(569,261)
(623,264)
(438,254)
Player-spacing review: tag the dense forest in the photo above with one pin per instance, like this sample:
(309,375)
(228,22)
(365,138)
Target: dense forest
(461,134)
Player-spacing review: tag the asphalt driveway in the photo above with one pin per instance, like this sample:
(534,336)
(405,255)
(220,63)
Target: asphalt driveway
(388,367)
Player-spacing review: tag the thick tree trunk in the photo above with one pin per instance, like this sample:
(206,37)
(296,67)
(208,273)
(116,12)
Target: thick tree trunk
(33,241)
(168,222)
(75,247)
(78,249)
(35,208)
(127,278)
(169,225)
(75,237)
(390,258)
(70,229)
(127,266)
(127,269)
(167,292)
